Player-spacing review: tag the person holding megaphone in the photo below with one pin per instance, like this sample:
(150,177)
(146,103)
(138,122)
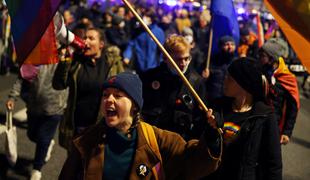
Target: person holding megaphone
(84,72)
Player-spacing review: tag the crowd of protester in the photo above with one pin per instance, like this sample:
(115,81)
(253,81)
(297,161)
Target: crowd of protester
(253,95)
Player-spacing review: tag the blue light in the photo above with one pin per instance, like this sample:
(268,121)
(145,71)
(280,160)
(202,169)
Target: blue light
(171,2)
(240,10)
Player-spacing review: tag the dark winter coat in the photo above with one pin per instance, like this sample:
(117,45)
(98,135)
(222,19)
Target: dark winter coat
(218,68)
(66,75)
(169,104)
(259,145)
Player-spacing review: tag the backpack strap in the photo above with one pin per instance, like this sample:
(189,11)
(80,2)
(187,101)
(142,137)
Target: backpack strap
(150,137)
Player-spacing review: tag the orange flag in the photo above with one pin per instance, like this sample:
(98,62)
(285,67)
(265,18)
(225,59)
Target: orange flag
(260,31)
(293,16)
(45,52)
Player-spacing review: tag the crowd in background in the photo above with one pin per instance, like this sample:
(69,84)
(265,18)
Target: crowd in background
(119,23)
(115,42)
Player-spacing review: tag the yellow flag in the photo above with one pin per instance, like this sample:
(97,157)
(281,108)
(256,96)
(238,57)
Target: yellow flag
(293,16)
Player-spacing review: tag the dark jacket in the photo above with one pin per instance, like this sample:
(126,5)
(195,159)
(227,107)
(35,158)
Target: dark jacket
(198,59)
(201,36)
(169,104)
(259,156)
(285,108)
(181,160)
(66,75)
(218,67)
(117,37)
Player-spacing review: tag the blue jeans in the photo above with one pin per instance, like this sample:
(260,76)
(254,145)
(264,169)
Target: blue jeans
(41,130)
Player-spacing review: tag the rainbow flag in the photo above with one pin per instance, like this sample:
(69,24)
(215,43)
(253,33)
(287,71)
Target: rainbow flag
(293,18)
(30,19)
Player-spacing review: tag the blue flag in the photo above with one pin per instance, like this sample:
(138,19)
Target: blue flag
(224,22)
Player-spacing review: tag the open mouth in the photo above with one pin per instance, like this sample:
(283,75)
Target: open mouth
(111,112)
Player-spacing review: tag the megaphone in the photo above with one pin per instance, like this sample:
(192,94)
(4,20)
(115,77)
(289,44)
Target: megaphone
(65,36)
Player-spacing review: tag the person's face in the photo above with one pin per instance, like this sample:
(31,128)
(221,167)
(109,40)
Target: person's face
(116,107)
(268,63)
(68,18)
(108,17)
(231,87)
(229,47)
(93,44)
(245,38)
(264,58)
(182,59)
(147,20)
(121,12)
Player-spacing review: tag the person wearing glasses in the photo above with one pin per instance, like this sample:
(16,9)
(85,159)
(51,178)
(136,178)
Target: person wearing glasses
(168,103)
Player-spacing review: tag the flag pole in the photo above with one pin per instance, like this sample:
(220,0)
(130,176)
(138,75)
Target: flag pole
(169,58)
(210,45)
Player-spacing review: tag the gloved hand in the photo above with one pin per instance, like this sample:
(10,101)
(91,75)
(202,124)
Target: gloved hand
(212,134)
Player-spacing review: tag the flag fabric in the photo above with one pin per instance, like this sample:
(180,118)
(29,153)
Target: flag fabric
(270,31)
(260,30)
(30,19)
(293,18)
(224,22)
(45,52)
(289,82)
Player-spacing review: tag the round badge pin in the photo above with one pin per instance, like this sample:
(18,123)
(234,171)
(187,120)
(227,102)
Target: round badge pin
(155,85)
(142,170)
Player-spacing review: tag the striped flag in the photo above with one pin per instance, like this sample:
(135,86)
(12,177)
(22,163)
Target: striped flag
(294,19)
(32,30)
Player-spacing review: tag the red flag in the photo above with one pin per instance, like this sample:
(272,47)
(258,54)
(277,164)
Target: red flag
(294,19)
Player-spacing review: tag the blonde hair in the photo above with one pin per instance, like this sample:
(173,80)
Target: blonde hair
(176,44)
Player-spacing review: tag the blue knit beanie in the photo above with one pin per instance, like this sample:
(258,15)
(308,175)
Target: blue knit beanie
(129,83)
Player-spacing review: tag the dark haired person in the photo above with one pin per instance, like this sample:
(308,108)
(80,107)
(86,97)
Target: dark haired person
(84,74)
(251,135)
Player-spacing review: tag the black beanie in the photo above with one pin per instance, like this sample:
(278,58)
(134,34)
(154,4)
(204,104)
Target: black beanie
(225,39)
(247,73)
(129,83)
(116,20)
(244,32)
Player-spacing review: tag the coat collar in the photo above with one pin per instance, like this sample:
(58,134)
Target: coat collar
(91,147)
